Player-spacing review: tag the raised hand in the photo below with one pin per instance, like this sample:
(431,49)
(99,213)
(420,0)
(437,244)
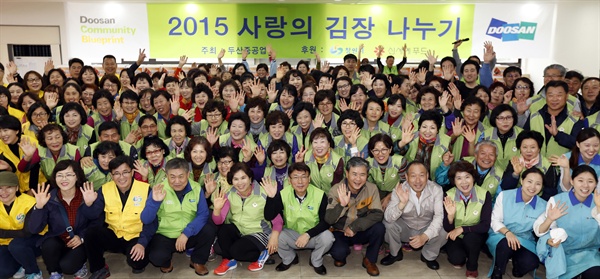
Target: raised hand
(244,53)
(213,71)
(189,115)
(221,54)
(87,162)
(422,75)
(271,93)
(49,65)
(289,113)
(182,60)
(211,135)
(317,56)
(327,85)
(469,134)
(141,56)
(28,148)
(140,168)
(270,186)
(367,80)
(246,151)
(255,87)
(443,100)
(447,158)
(174,104)
(343,105)
(318,121)
(299,157)
(402,194)
(448,74)
(280,73)
(556,211)
(379,51)
(158,193)
(552,128)
(51,99)
(488,52)
(560,161)
(522,107)
(219,200)
(353,138)
(89,195)
(209,184)
(343,195)
(450,206)
(118,111)
(431,57)
(12,68)
(260,155)
(518,167)
(407,135)
(457,44)
(41,195)
(407,120)
(457,127)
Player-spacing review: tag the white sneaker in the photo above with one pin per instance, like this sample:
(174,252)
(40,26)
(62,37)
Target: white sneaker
(20,273)
(34,276)
(81,273)
(55,275)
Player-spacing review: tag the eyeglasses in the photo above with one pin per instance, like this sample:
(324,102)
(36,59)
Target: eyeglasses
(65,176)
(33,80)
(153,152)
(322,104)
(504,118)
(130,103)
(348,124)
(299,178)
(343,86)
(148,126)
(382,151)
(106,85)
(38,115)
(553,76)
(521,87)
(225,163)
(125,173)
(216,115)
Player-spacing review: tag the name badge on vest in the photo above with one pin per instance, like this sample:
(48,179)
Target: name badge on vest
(169,202)
(254,204)
(394,136)
(20,218)
(329,174)
(492,185)
(137,201)
(310,207)
(514,149)
(475,212)
(561,129)
(192,200)
(393,175)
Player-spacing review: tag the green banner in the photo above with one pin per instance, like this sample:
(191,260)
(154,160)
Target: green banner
(298,30)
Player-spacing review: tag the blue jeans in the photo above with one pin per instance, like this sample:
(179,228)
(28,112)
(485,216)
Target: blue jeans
(20,252)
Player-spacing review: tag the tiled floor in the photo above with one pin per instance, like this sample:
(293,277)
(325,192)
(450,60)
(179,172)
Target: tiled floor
(409,267)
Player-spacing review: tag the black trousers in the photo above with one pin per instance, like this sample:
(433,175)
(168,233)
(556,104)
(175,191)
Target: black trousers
(235,246)
(591,273)
(465,249)
(60,258)
(374,236)
(102,239)
(161,248)
(524,260)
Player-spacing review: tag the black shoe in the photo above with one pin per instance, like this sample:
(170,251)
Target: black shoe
(137,271)
(389,259)
(321,270)
(496,274)
(284,267)
(270,261)
(516,272)
(431,264)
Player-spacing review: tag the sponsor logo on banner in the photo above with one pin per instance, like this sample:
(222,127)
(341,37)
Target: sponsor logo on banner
(511,31)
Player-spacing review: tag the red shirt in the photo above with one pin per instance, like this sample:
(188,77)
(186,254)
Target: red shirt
(71,211)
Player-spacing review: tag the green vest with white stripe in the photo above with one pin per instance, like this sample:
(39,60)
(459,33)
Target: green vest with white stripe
(47,162)
(248,214)
(322,178)
(304,216)
(510,149)
(390,179)
(550,146)
(441,146)
(470,214)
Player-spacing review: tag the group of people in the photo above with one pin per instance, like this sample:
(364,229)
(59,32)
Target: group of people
(215,162)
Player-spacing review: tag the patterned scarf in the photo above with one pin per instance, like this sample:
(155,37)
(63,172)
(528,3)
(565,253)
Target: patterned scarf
(131,116)
(322,160)
(73,135)
(424,151)
(530,163)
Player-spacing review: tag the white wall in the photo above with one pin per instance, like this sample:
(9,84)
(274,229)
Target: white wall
(34,14)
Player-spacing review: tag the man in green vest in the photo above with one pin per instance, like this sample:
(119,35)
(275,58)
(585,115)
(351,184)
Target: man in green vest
(415,215)
(389,67)
(121,200)
(107,131)
(180,207)
(303,208)
(554,121)
(355,213)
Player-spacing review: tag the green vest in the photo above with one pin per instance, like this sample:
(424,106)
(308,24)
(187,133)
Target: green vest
(265,139)
(509,151)
(470,214)
(270,172)
(172,151)
(174,216)
(322,178)
(98,119)
(225,140)
(390,70)
(390,179)
(460,140)
(304,216)
(162,124)
(97,177)
(159,176)
(439,149)
(125,147)
(396,128)
(594,121)
(200,128)
(83,138)
(248,215)
(340,146)
(550,146)
(126,128)
(492,179)
(47,162)
(539,101)
(208,168)
(380,128)
(303,141)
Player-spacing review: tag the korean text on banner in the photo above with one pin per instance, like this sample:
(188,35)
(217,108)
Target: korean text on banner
(298,30)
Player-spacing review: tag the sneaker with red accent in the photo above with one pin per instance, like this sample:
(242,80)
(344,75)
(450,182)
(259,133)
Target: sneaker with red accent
(357,247)
(260,263)
(472,274)
(226,265)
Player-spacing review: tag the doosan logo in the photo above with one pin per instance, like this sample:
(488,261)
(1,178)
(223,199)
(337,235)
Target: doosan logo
(511,31)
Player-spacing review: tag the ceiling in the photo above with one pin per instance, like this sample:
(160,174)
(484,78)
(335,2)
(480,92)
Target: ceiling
(311,1)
